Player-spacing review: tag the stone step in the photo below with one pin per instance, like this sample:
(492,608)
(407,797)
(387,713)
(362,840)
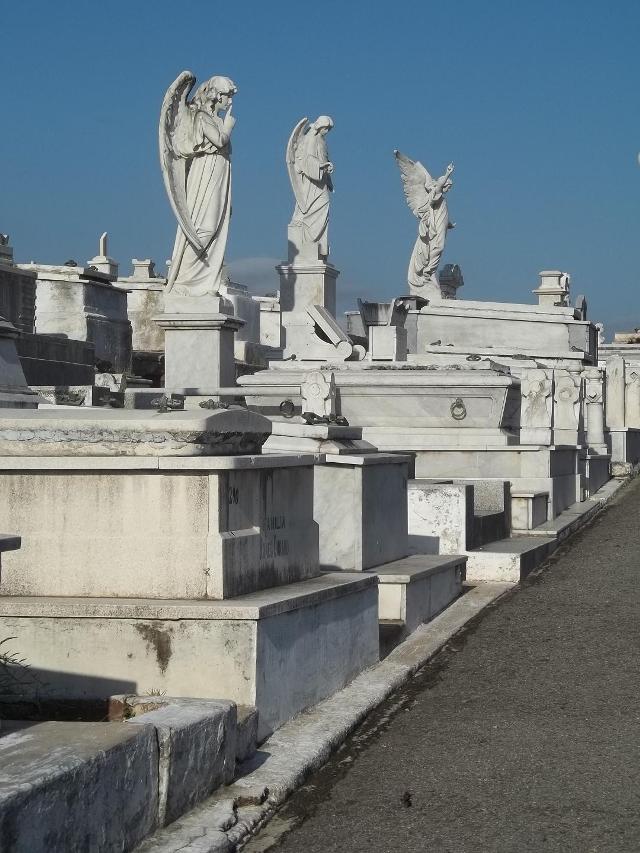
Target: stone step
(488,526)
(511,559)
(78,786)
(415,589)
(529,509)
(508,560)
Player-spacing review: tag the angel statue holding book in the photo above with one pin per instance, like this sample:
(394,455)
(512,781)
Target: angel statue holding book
(195,154)
(426,197)
(310,173)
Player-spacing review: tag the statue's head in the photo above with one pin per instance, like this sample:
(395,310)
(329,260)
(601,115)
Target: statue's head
(322,125)
(215,94)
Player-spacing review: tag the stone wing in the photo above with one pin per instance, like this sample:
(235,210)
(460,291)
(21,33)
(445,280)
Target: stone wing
(292,146)
(415,179)
(174,150)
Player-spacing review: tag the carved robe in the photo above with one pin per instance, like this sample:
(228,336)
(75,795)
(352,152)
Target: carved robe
(311,213)
(209,203)
(428,248)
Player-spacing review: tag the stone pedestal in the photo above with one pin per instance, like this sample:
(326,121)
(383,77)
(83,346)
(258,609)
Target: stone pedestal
(387,343)
(145,300)
(554,288)
(308,306)
(199,354)
(359,495)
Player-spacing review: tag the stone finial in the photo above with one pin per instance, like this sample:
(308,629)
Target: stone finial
(102,262)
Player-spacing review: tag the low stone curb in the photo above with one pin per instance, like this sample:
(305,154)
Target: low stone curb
(227,819)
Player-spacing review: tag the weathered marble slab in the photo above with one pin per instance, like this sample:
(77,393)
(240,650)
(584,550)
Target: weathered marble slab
(398,395)
(185,528)
(280,650)
(109,432)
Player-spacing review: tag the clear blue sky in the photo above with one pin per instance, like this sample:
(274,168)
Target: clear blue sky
(536,103)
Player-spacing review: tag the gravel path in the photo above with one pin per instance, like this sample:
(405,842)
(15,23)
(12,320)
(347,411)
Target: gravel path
(523,735)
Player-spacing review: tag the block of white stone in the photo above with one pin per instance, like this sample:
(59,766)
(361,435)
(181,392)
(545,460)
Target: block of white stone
(77,786)
(387,343)
(83,431)
(399,397)
(625,451)
(440,517)
(520,328)
(280,650)
(291,436)
(528,509)
(196,749)
(415,589)
(199,351)
(219,527)
(360,508)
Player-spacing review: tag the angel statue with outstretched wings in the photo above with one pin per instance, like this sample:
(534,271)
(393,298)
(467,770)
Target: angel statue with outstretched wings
(426,197)
(310,172)
(195,154)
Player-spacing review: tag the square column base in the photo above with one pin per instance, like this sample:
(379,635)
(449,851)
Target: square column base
(199,355)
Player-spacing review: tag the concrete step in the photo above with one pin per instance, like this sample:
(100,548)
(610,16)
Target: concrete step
(508,560)
(415,589)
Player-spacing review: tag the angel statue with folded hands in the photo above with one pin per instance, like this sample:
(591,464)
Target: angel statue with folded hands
(426,197)
(195,154)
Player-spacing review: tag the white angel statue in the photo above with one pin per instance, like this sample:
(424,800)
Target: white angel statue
(426,198)
(195,154)
(310,172)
